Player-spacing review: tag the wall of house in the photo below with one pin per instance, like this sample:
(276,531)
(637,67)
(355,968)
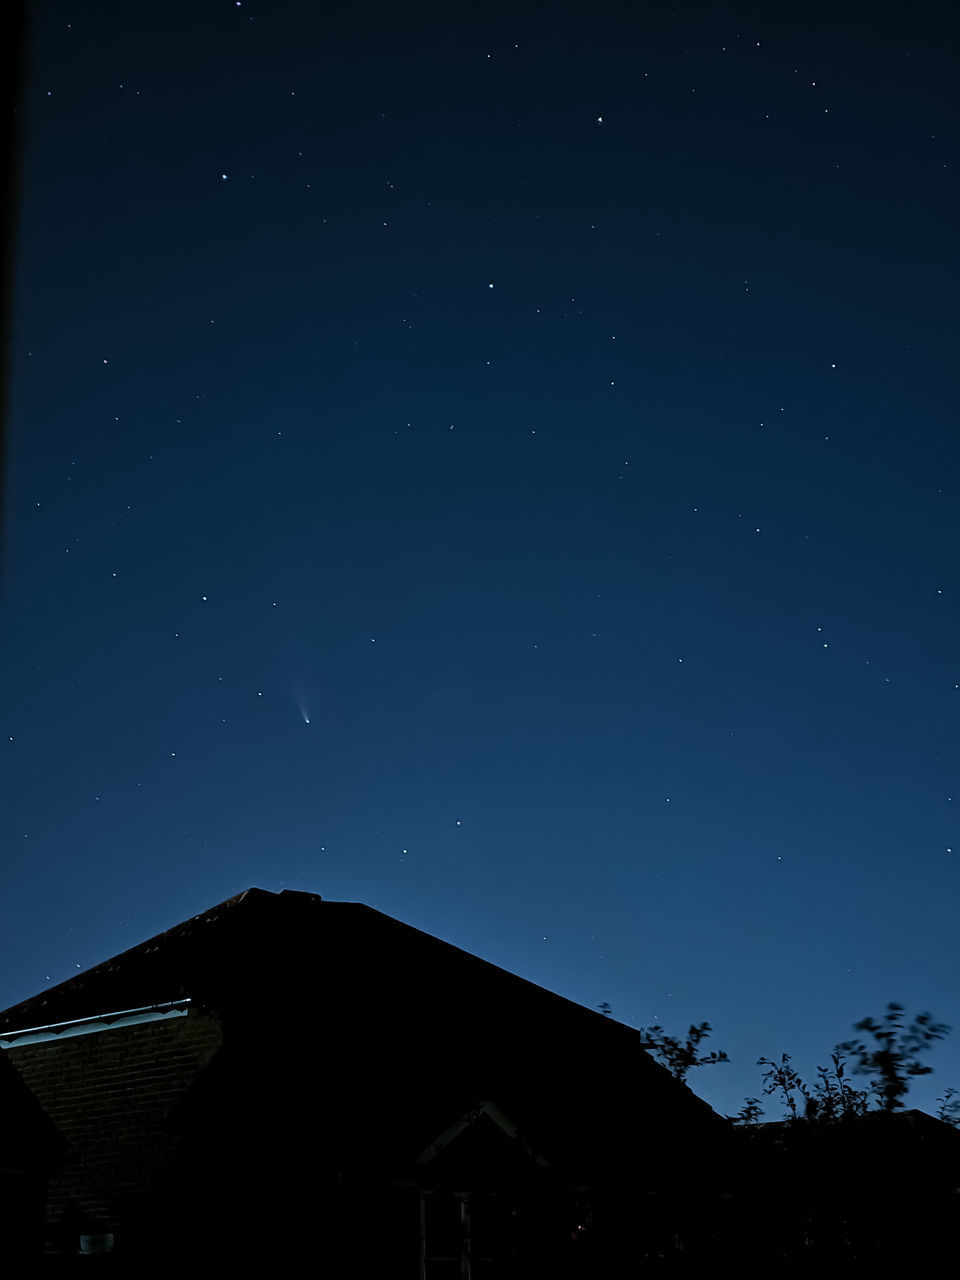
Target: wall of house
(112,1094)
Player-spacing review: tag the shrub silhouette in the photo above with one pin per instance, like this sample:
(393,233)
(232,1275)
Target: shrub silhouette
(679,1057)
(830,1098)
(949,1108)
(894,1060)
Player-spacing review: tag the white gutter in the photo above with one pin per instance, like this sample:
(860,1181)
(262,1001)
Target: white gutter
(98,1022)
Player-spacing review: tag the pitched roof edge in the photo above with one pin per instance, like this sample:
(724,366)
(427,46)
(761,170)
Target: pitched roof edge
(8,1015)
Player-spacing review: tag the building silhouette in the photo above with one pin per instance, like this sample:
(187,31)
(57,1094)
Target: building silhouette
(285,1078)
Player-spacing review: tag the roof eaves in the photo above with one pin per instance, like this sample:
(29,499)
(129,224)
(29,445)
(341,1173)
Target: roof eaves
(97,1022)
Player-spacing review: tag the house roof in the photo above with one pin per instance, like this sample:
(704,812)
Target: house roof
(304,986)
(283,947)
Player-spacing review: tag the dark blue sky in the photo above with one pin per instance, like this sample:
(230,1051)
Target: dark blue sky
(556,406)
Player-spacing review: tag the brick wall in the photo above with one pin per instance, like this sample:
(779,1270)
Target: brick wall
(111,1094)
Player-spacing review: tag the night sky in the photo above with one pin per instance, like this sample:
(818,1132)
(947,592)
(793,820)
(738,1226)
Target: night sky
(497,463)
